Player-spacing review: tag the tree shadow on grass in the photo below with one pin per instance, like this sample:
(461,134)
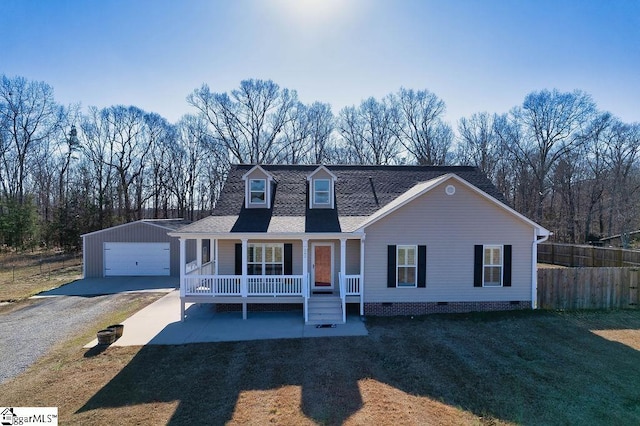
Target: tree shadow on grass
(541,368)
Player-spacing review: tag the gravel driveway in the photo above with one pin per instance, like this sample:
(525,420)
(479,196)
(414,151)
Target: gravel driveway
(28,333)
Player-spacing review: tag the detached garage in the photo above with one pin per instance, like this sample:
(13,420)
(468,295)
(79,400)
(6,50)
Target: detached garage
(140,248)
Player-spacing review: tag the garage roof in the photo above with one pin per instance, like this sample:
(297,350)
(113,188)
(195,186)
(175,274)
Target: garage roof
(168,224)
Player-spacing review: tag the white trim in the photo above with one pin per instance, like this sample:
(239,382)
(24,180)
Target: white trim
(269,236)
(328,191)
(424,187)
(214,256)
(534,269)
(501,264)
(313,266)
(257,167)
(84,257)
(323,168)
(263,262)
(415,248)
(250,191)
(268,177)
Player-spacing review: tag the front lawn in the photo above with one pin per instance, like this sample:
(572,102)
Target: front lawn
(496,368)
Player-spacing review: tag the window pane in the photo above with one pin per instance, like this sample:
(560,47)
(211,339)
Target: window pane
(492,275)
(492,255)
(277,250)
(487,256)
(257,185)
(258,254)
(268,253)
(322,185)
(273,269)
(257,197)
(496,256)
(322,198)
(254,269)
(406,276)
(411,256)
(402,256)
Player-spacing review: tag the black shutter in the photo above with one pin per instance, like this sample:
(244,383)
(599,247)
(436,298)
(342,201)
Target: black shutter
(422,266)
(477,265)
(391,266)
(238,259)
(506,269)
(288,259)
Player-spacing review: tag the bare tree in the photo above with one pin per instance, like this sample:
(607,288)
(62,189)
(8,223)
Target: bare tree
(622,152)
(550,125)
(250,120)
(368,132)
(479,144)
(29,116)
(419,126)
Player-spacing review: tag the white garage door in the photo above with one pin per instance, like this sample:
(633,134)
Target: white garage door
(135,259)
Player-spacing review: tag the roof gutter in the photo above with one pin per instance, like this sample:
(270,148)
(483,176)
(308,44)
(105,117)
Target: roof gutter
(534,267)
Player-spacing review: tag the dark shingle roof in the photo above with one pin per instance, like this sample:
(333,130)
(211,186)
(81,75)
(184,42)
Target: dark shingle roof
(360,191)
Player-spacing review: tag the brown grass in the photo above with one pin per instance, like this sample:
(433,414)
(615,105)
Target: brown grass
(496,368)
(24,274)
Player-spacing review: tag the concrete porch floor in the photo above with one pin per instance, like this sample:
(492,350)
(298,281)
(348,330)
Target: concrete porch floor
(159,324)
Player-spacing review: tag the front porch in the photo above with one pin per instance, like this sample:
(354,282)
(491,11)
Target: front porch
(282,272)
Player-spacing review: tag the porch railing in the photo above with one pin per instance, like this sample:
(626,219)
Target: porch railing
(352,285)
(233,285)
(274,285)
(192,268)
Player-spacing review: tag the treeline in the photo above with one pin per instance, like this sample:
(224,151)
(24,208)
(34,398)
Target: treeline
(65,172)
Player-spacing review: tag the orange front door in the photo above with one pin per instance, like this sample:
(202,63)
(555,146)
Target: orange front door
(322,266)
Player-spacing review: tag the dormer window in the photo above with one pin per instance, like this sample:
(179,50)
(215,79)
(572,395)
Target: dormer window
(321,191)
(258,190)
(259,186)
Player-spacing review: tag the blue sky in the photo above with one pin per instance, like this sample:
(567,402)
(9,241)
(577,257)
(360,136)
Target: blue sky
(476,55)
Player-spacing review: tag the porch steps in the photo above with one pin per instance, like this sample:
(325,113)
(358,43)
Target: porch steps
(325,309)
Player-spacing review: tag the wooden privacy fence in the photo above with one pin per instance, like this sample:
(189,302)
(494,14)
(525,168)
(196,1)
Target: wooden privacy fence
(588,288)
(587,256)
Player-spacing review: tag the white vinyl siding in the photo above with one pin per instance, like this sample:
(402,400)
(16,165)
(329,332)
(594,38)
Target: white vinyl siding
(450,226)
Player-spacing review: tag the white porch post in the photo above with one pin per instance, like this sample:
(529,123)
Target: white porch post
(214,256)
(305,259)
(305,277)
(343,273)
(199,255)
(362,275)
(243,282)
(183,284)
(343,258)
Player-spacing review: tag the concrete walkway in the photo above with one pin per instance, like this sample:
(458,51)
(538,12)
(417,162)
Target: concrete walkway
(159,324)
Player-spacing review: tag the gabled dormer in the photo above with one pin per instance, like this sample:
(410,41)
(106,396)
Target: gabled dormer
(321,189)
(258,188)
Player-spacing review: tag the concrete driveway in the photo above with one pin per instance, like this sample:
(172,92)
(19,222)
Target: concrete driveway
(159,324)
(114,285)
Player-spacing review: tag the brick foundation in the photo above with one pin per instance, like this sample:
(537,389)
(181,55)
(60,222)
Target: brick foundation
(423,308)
